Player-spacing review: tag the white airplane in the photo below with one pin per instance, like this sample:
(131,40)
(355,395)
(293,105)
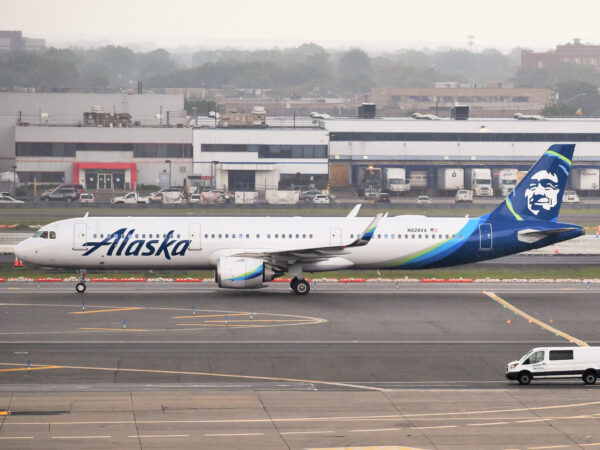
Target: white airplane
(246,252)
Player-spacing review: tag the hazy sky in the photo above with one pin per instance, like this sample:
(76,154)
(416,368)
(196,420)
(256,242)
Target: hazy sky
(374,23)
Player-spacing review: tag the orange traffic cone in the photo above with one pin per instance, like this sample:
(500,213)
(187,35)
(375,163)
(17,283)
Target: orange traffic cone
(16,262)
(20,263)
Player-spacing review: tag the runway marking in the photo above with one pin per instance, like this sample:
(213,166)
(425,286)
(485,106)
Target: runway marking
(16,437)
(147,436)
(486,424)
(375,429)
(594,444)
(232,434)
(548,447)
(257,320)
(112,329)
(307,432)
(81,437)
(211,315)
(215,325)
(434,427)
(21,369)
(544,325)
(105,310)
(218,375)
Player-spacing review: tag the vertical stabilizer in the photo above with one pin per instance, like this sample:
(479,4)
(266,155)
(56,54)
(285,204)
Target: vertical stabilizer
(539,194)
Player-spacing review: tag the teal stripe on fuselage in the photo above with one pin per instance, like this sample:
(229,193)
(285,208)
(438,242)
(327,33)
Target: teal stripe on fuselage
(440,250)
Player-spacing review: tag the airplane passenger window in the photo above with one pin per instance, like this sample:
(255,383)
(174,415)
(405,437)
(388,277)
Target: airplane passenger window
(276,236)
(52,235)
(258,236)
(144,236)
(440,236)
(44,235)
(426,236)
(220,236)
(303,236)
(178,236)
(247,236)
(460,236)
(406,236)
(351,236)
(94,236)
(392,235)
(283,236)
(227,235)
(241,236)
(206,236)
(378,236)
(268,236)
(297,236)
(447,236)
(290,236)
(101,236)
(385,236)
(453,236)
(212,236)
(232,236)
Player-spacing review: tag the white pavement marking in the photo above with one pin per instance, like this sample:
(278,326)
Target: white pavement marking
(232,434)
(16,437)
(307,432)
(81,437)
(434,428)
(375,429)
(486,424)
(158,435)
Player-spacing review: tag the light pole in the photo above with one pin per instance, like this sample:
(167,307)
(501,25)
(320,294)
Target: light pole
(214,173)
(14,180)
(169,161)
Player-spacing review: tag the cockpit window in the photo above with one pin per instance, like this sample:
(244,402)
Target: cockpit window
(44,235)
(52,235)
(37,234)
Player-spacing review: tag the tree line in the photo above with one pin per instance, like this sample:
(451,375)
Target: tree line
(308,70)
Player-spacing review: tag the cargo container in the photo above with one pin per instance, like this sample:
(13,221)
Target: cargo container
(450,179)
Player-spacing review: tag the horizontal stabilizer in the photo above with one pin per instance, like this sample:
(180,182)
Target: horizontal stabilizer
(530,235)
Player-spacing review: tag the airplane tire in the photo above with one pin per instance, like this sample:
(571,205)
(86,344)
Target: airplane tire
(80,288)
(294,283)
(302,287)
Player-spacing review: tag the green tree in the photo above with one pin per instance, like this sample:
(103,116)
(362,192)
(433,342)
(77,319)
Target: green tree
(558,110)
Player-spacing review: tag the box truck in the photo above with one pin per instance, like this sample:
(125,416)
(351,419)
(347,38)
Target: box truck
(479,180)
(395,180)
(450,179)
(585,179)
(505,180)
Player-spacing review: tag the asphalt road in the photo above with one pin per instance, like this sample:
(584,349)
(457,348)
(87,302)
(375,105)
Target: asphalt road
(416,365)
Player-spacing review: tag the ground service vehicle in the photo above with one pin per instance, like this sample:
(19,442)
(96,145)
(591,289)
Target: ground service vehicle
(6,199)
(383,197)
(450,179)
(321,198)
(464,196)
(480,182)
(396,181)
(132,198)
(61,193)
(505,180)
(247,252)
(544,362)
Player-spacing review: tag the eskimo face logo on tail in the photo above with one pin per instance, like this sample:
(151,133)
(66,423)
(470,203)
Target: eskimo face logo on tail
(543,191)
(122,243)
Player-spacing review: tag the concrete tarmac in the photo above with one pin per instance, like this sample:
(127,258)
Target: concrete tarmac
(160,365)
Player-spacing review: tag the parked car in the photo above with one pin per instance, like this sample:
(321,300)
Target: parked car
(570,197)
(383,197)
(196,198)
(86,197)
(423,200)
(464,196)
(308,196)
(78,187)
(61,193)
(6,199)
(371,193)
(321,198)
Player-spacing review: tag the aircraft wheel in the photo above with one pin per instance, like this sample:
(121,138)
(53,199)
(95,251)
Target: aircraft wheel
(80,287)
(302,287)
(294,283)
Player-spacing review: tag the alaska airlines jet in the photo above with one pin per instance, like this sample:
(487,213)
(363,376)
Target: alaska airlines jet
(246,252)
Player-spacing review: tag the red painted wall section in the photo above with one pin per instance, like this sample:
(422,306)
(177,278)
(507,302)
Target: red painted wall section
(92,165)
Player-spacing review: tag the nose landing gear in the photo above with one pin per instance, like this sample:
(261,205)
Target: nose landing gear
(80,287)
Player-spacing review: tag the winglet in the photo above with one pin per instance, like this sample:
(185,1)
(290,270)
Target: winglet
(354,211)
(366,235)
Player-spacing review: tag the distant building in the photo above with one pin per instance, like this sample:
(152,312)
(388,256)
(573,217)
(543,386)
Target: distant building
(575,53)
(14,40)
(489,101)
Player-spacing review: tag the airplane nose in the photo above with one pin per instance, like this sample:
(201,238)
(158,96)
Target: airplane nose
(21,250)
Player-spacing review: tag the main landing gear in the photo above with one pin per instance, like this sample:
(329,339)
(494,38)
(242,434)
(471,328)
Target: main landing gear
(300,287)
(80,287)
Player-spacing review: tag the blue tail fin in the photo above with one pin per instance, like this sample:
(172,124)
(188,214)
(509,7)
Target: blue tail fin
(539,194)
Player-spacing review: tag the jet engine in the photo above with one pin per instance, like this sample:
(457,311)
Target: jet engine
(243,273)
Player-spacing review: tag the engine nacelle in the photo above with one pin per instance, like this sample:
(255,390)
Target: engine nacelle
(243,273)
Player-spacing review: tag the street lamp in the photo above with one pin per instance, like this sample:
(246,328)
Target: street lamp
(169,161)
(14,180)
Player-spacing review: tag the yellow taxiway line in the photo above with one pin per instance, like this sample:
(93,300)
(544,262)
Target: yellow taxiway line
(104,310)
(211,315)
(110,329)
(532,319)
(21,369)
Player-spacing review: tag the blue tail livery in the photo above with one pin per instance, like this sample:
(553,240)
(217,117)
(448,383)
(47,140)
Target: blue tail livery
(539,194)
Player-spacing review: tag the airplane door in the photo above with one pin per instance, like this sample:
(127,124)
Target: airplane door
(485,236)
(195,242)
(335,237)
(79,236)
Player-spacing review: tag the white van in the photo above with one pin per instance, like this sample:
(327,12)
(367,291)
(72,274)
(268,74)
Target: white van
(556,362)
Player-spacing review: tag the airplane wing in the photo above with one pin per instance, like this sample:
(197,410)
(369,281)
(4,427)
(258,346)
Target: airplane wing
(532,235)
(284,258)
